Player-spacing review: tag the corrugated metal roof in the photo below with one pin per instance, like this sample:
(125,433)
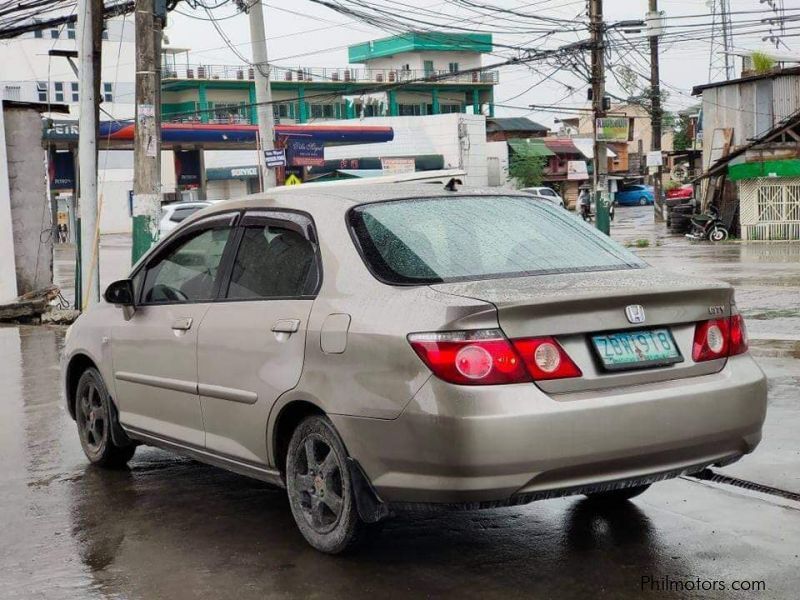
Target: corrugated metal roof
(513,124)
(561,145)
(530,147)
(698,89)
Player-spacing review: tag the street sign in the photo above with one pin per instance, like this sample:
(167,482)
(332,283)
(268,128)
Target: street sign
(654,159)
(292,179)
(613,129)
(395,165)
(275,158)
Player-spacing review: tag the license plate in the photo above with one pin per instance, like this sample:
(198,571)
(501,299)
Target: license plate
(636,349)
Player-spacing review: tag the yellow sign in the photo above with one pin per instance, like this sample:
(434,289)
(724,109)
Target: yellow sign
(292,179)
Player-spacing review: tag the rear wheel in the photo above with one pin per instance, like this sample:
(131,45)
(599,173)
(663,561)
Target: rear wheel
(319,487)
(95,418)
(615,496)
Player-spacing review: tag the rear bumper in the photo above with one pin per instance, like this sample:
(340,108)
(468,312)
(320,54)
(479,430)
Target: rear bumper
(507,444)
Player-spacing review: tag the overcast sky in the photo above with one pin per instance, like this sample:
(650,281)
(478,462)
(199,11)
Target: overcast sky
(302,33)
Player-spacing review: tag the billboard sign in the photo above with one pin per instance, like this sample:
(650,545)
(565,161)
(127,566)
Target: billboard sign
(613,129)
(305,153)
(187,167)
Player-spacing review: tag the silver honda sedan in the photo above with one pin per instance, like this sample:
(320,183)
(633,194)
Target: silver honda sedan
(382,348)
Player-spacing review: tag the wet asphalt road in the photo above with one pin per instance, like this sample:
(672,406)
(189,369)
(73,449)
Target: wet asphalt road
(173,528)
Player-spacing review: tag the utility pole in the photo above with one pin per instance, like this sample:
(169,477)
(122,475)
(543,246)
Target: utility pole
(90,19)
(266,119)
(656,113)
(147,133)
(600,175)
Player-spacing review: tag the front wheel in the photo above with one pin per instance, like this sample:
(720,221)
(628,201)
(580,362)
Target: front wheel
(643,201)
(95,419)
(319,487)
(718,234)
(616,496)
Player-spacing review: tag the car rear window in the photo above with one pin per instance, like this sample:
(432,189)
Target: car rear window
(434,240)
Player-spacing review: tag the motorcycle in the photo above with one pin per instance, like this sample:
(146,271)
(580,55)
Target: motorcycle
(708,226)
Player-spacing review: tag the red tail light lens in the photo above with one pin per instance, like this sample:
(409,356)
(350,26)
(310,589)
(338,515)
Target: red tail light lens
(481,357)
(485,357)
(546,359)
(738,335)
(719,338)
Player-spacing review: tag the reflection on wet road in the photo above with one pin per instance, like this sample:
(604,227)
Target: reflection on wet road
(172,528)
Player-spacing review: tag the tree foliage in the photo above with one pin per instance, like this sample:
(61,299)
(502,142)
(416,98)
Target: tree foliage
(681,139)
(526,170)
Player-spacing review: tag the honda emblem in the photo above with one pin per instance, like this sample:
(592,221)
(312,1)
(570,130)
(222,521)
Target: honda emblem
(635,313)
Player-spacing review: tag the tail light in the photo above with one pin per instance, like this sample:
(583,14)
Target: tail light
(719,338)
(486,357)
(546,359)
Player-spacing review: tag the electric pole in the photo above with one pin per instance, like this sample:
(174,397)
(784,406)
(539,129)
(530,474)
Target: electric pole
(656,113)
(90,20)
(147,133)
(600,171)
(266,119)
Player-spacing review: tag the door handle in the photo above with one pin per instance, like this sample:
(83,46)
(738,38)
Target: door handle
(182,324)
(286,326)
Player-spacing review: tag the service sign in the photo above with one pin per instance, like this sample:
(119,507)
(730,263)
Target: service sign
(613,129)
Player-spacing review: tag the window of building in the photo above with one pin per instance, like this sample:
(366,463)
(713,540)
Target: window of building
(409,110)
(41,90)
(71,31)
(74,88)
(54,34)
(58,86)
(321,111)
(38,34)
(108,92)
(452,67)
(428,66)
(228,112)
(449,108)
(105,30)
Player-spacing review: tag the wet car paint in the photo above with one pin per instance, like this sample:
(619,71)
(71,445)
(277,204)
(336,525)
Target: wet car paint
(173,528)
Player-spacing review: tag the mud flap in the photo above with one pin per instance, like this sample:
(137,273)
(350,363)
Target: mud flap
(118,435)
(370,507)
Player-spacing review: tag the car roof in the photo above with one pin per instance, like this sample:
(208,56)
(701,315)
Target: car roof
(341,198)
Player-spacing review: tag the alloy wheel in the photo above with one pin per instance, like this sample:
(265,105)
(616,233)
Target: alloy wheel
(318,479)
(93,417)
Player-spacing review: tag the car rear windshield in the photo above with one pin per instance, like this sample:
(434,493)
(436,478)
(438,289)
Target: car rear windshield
(434,240)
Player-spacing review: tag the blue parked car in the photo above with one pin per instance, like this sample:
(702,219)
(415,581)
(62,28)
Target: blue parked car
(632,195)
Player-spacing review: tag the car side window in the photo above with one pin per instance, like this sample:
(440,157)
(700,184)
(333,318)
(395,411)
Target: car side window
(273,262)
(182,213)
(188,272)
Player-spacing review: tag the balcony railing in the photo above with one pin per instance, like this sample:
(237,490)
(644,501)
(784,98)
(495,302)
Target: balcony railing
(324,75)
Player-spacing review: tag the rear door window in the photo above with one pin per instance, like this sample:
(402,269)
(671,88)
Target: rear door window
(274,260)
(434,240)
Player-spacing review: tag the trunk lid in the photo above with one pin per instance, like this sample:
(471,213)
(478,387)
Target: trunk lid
(573,306)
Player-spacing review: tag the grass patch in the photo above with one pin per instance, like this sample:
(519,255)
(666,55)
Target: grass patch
(640,243)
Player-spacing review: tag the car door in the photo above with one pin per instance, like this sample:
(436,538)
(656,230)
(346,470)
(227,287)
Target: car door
(155,350)
(252,341)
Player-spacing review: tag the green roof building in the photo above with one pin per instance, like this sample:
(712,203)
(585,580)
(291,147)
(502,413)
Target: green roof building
(419,73)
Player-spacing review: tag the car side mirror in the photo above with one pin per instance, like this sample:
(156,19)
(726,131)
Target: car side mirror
(120,293)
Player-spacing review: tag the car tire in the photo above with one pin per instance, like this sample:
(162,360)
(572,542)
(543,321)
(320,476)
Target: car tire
(95,417)
(616,496)
(643,201)
(319,487)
